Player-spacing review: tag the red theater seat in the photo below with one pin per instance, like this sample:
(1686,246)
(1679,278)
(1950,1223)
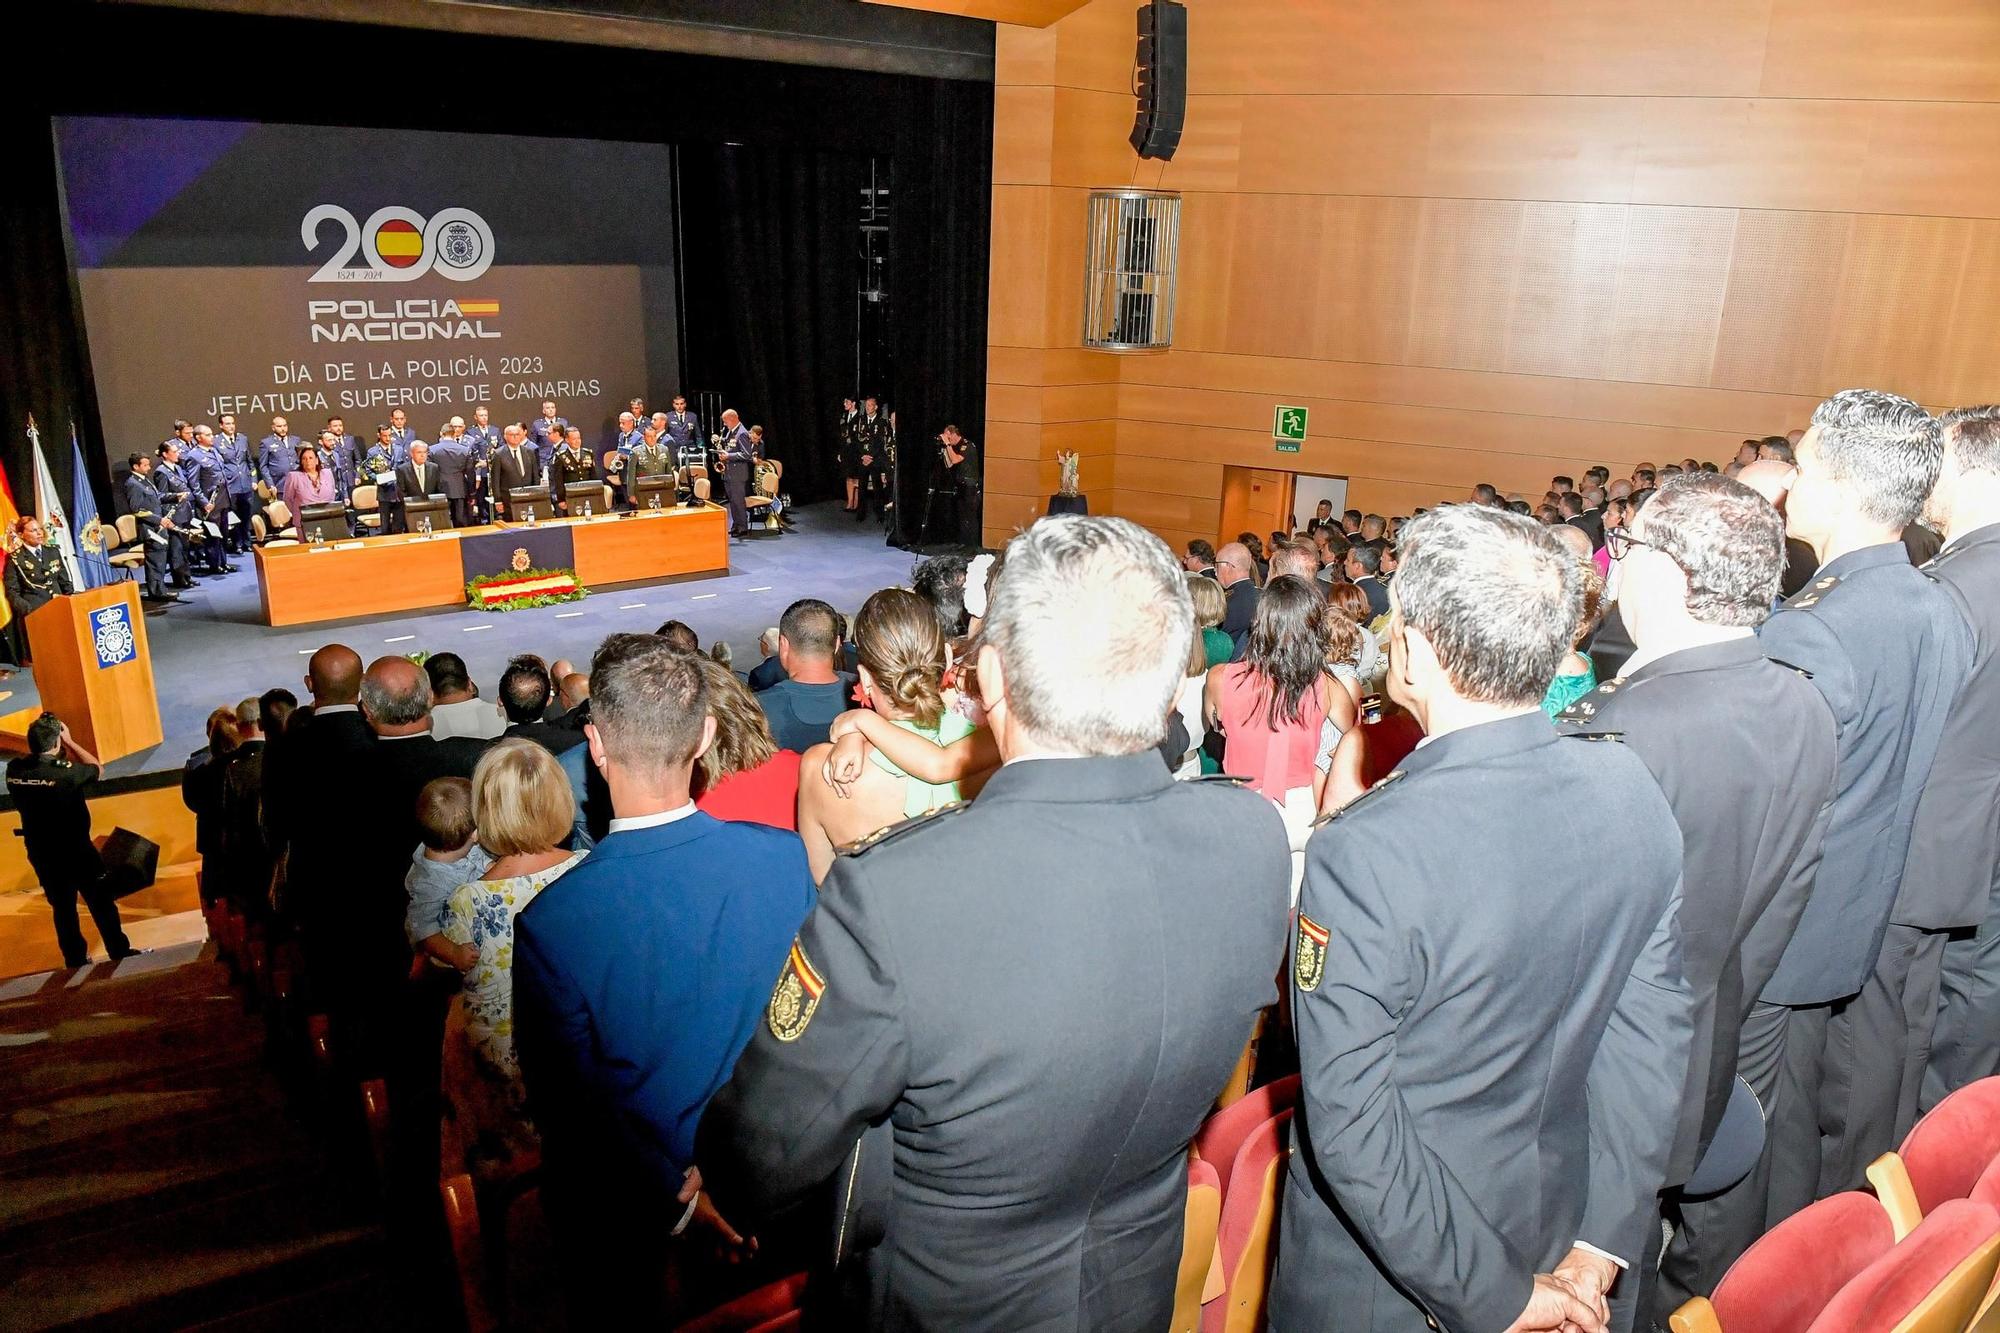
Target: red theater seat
(1784,1281)
(1220,1138)
(1931,1283)
(1203,1216)
(1949,1148)
(1249,1219)
(768,1309)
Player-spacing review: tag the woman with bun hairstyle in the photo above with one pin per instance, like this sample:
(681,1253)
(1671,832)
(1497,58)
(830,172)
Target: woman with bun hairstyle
(902,657)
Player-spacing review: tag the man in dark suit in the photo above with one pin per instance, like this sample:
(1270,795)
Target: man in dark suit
(455,465)
(638,983)
(1236,571)
(1363,568)
(1200,559)
(1699,703)
(526,691)
(148,510)
(1001,1025)
(1955,843)
(419,476)
(1889,651)
(514,465)
(1486,1111)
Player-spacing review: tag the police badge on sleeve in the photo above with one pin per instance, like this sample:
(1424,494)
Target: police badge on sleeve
(1309,957)
(796,997)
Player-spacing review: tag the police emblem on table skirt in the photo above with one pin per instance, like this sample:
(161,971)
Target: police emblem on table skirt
(521,562)
(1309,960)
(795,999)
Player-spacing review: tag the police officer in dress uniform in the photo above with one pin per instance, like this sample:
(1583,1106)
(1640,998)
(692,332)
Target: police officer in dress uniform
(35,574)
(571,462)
(738,458)
(1955,843)
(1700,704)
(872,436)
(1002,1023)
(343,454)
(680,426)
(201,462)
(546,431)
(47,787)
(1888,651)
(177,499)
(401,436)
(1491,1071)
(239,475)
(482,437)
(277,456)
(148,509)
(844,452)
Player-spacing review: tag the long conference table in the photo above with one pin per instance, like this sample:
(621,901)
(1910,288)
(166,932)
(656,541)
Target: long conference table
(366,576)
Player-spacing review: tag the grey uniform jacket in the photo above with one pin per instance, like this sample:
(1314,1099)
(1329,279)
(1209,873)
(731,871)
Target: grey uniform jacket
(1888,651)
(1492,1040)
(1753,818)
(1953,873)
(1038,997)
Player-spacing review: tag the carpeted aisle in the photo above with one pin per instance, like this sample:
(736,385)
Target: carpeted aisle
(151,1175)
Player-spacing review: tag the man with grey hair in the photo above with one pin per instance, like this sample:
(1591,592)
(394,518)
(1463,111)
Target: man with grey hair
(514,466)
(1699,703)
(1296,558)
(1003,1022)
(1489,1075)
(1955,842)
(637,982)
(1889,652)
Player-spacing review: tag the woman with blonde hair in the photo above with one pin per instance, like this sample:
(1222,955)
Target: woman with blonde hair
(743,776)
(1211,604)
(522,808)
(901,651)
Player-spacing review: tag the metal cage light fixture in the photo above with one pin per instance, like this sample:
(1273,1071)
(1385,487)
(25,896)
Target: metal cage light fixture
(1130,268)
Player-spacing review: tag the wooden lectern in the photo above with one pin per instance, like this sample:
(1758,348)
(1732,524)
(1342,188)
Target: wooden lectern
(95,671)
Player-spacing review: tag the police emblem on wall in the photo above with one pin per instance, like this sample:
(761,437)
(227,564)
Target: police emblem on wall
(398,244)
(111,632)
(1309,958)
(795,999)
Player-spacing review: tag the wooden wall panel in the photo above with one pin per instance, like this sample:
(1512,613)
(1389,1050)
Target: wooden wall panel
(1489,242)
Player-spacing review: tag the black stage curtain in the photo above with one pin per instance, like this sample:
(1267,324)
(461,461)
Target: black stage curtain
(768,269)
(799,128)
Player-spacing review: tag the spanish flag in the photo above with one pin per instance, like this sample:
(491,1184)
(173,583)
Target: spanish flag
(478,307)
(9,515)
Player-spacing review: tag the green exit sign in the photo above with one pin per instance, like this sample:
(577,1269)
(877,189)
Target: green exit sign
(1288,428)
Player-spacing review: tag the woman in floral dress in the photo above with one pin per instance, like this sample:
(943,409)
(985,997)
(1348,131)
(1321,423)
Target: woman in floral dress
(522,807)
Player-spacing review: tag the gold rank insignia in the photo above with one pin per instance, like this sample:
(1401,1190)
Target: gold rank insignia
(1309,960)
(795,999)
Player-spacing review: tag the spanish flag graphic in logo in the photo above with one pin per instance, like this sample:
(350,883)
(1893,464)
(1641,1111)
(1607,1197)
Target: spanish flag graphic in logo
(474,309)
(399,243)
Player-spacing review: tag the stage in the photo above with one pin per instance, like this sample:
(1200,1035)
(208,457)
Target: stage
(214,648)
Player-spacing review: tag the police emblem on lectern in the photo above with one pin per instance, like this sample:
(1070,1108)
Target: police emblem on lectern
(111,631)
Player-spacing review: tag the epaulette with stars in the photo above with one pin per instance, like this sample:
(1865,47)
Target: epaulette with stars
(1358,801)
(1586,706)
(897,830)
(1810,594)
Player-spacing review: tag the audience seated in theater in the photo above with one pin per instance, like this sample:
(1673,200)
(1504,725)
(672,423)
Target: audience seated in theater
(680,635)
(201,792)
(456,708)
(245,848)
(813,693)
(521,811)
(637,980)
(527,692)
(770,670)
(743,775)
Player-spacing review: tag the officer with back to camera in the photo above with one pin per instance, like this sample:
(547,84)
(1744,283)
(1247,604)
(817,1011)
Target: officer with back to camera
(49,787)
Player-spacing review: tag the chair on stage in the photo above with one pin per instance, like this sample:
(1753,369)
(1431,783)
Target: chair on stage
(367,505)
(129,554)
(762,500)
(274,526)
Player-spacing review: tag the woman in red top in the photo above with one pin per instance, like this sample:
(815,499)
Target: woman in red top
(744,777)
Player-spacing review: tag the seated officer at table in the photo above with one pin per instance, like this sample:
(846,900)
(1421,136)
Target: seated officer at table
(49,788)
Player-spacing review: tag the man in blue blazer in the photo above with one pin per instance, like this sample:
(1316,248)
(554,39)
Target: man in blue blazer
(639,978)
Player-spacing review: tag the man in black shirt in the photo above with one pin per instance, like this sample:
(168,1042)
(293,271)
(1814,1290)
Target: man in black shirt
(48,787)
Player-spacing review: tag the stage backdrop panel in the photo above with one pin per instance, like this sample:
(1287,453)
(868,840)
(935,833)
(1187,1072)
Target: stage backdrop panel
(312,272)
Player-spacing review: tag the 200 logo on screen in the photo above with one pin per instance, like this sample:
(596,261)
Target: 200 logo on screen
(398,244)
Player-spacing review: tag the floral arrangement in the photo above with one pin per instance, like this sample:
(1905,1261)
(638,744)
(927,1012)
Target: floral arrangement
(517,590)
